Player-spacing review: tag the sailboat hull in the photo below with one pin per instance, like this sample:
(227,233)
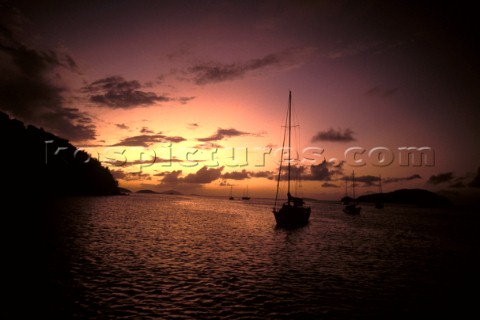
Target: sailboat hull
(292,216)
(352,209)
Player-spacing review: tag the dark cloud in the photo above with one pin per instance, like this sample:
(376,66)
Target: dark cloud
(381,92)
(70,62)
(208,146)
(166,160)
(236,175)
(145,140)
(129,176)
(144,162)
(121,126)
(324,171)
(133,176)
(204,175)
(211,72)
(393,180)
(193,125)
(170,178)
(225,183)
(146,130)
(263,174)
(441,178)
(184,100)
(222,134)
(334,135)
(244,174)
(117,93)
(367,180)
(320,172)
(475,183)
(28,92)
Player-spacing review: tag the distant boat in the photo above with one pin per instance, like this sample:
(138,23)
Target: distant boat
(292,213)
(379,203)
(231,194)
(246,196)
(352,208)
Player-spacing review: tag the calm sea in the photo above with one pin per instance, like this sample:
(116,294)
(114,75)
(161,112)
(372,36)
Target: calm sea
(186,257)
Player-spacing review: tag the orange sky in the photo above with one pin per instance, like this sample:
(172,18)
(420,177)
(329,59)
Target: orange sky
(138,75)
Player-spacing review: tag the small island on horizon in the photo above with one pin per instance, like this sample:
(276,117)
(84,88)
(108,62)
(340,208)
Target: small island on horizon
(412,197)
(169,192)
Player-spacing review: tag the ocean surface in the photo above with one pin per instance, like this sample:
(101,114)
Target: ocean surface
(150,256)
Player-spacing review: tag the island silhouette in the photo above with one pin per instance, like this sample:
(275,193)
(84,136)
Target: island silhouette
(169,192)
(146,191)
(414,197)
(36,162)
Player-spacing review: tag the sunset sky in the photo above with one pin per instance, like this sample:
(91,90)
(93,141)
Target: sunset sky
(164,78)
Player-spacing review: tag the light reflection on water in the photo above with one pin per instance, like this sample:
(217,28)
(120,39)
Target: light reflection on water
(158,256)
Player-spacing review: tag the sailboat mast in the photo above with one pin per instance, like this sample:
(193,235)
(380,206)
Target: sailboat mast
(289,141)
(346,186)
(353,185)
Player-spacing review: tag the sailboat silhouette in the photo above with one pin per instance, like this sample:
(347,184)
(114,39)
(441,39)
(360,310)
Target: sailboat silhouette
(246,196)
(352,208)
(293,213)
(379,203)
